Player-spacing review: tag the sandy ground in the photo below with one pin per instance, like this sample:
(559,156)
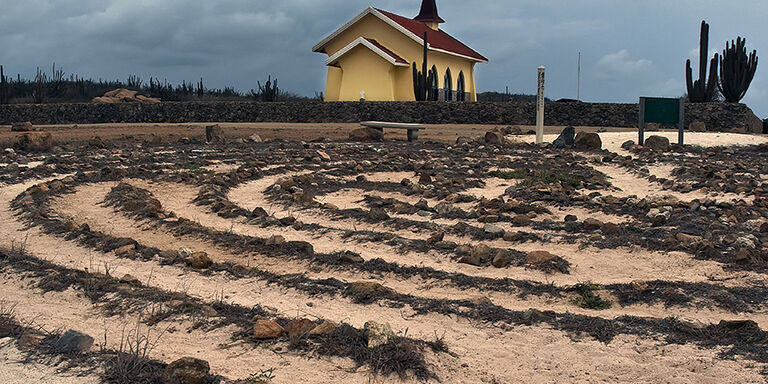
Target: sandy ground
(486,353)
(16,371)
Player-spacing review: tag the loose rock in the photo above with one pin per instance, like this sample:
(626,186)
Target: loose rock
(267,329)
(187,370)
(585,141)
(74,342)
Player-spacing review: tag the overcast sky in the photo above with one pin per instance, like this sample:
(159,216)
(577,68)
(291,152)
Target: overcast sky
(630,48)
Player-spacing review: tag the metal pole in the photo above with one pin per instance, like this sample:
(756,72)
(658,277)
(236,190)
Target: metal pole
(681,131)
(540,108)
(641,123)
(578,81)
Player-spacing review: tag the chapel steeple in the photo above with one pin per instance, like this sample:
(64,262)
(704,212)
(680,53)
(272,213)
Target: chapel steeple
(428,14)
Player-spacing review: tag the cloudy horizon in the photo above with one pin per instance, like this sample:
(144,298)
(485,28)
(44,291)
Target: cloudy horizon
(629,49)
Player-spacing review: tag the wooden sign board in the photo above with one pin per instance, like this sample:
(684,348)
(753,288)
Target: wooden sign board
(663,111)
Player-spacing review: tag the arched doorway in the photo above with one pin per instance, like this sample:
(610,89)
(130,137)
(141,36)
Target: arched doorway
(461,88)
(448,85)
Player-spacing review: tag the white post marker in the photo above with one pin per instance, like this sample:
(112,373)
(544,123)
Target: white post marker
(540,108)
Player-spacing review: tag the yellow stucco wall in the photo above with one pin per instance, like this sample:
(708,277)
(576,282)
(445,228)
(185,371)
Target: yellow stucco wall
(400,78)
(333,84)
(365,71)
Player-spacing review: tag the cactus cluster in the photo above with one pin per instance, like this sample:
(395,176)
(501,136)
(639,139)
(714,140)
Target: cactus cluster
(3,87)
(424,81)
(268,92)
(737,69)
(702,90)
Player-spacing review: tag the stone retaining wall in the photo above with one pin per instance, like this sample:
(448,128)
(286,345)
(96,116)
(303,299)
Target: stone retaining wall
(717,116)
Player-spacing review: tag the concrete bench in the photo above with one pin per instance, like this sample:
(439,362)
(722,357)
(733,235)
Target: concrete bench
(413,129)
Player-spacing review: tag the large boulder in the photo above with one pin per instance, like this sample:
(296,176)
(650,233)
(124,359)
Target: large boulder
(586,141)
(187,370)
(35,142)
(214,134)
(657,143)
(566,138)
(366,134)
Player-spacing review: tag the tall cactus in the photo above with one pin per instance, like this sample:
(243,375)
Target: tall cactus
(421,80)
(3,87)
(736,70)
(432,80)
(269,92)
(702,90)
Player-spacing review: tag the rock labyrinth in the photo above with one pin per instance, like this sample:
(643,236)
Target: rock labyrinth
(284,256)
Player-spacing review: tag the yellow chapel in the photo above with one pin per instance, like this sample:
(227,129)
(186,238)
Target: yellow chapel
(371,58)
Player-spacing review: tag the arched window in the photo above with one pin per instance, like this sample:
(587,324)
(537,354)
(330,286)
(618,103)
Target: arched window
(461,88)
(448,85)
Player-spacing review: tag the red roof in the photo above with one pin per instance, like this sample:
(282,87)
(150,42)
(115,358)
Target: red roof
(387,51)
(436,39)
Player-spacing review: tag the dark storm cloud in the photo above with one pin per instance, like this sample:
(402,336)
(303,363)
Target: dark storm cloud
(630,48)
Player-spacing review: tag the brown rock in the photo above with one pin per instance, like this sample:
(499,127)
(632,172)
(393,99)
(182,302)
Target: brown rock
(482,301)
(610,228)
(657,143)
(267,329)
(482,252)
(495,138)
(359,288)
(130,280)
(436,237)
(351,257)
(187,370)
(199,260)
(126,251)
(503,258)
(464,249)
(585,141)
(592,224)
(537,257)
(325,328)
(522,220)
(366,134)
(286,182)
(298,328)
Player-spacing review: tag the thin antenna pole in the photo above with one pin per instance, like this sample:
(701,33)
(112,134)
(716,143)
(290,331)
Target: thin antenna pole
(578,80)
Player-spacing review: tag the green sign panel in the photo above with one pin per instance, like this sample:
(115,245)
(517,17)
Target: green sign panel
(662,110)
